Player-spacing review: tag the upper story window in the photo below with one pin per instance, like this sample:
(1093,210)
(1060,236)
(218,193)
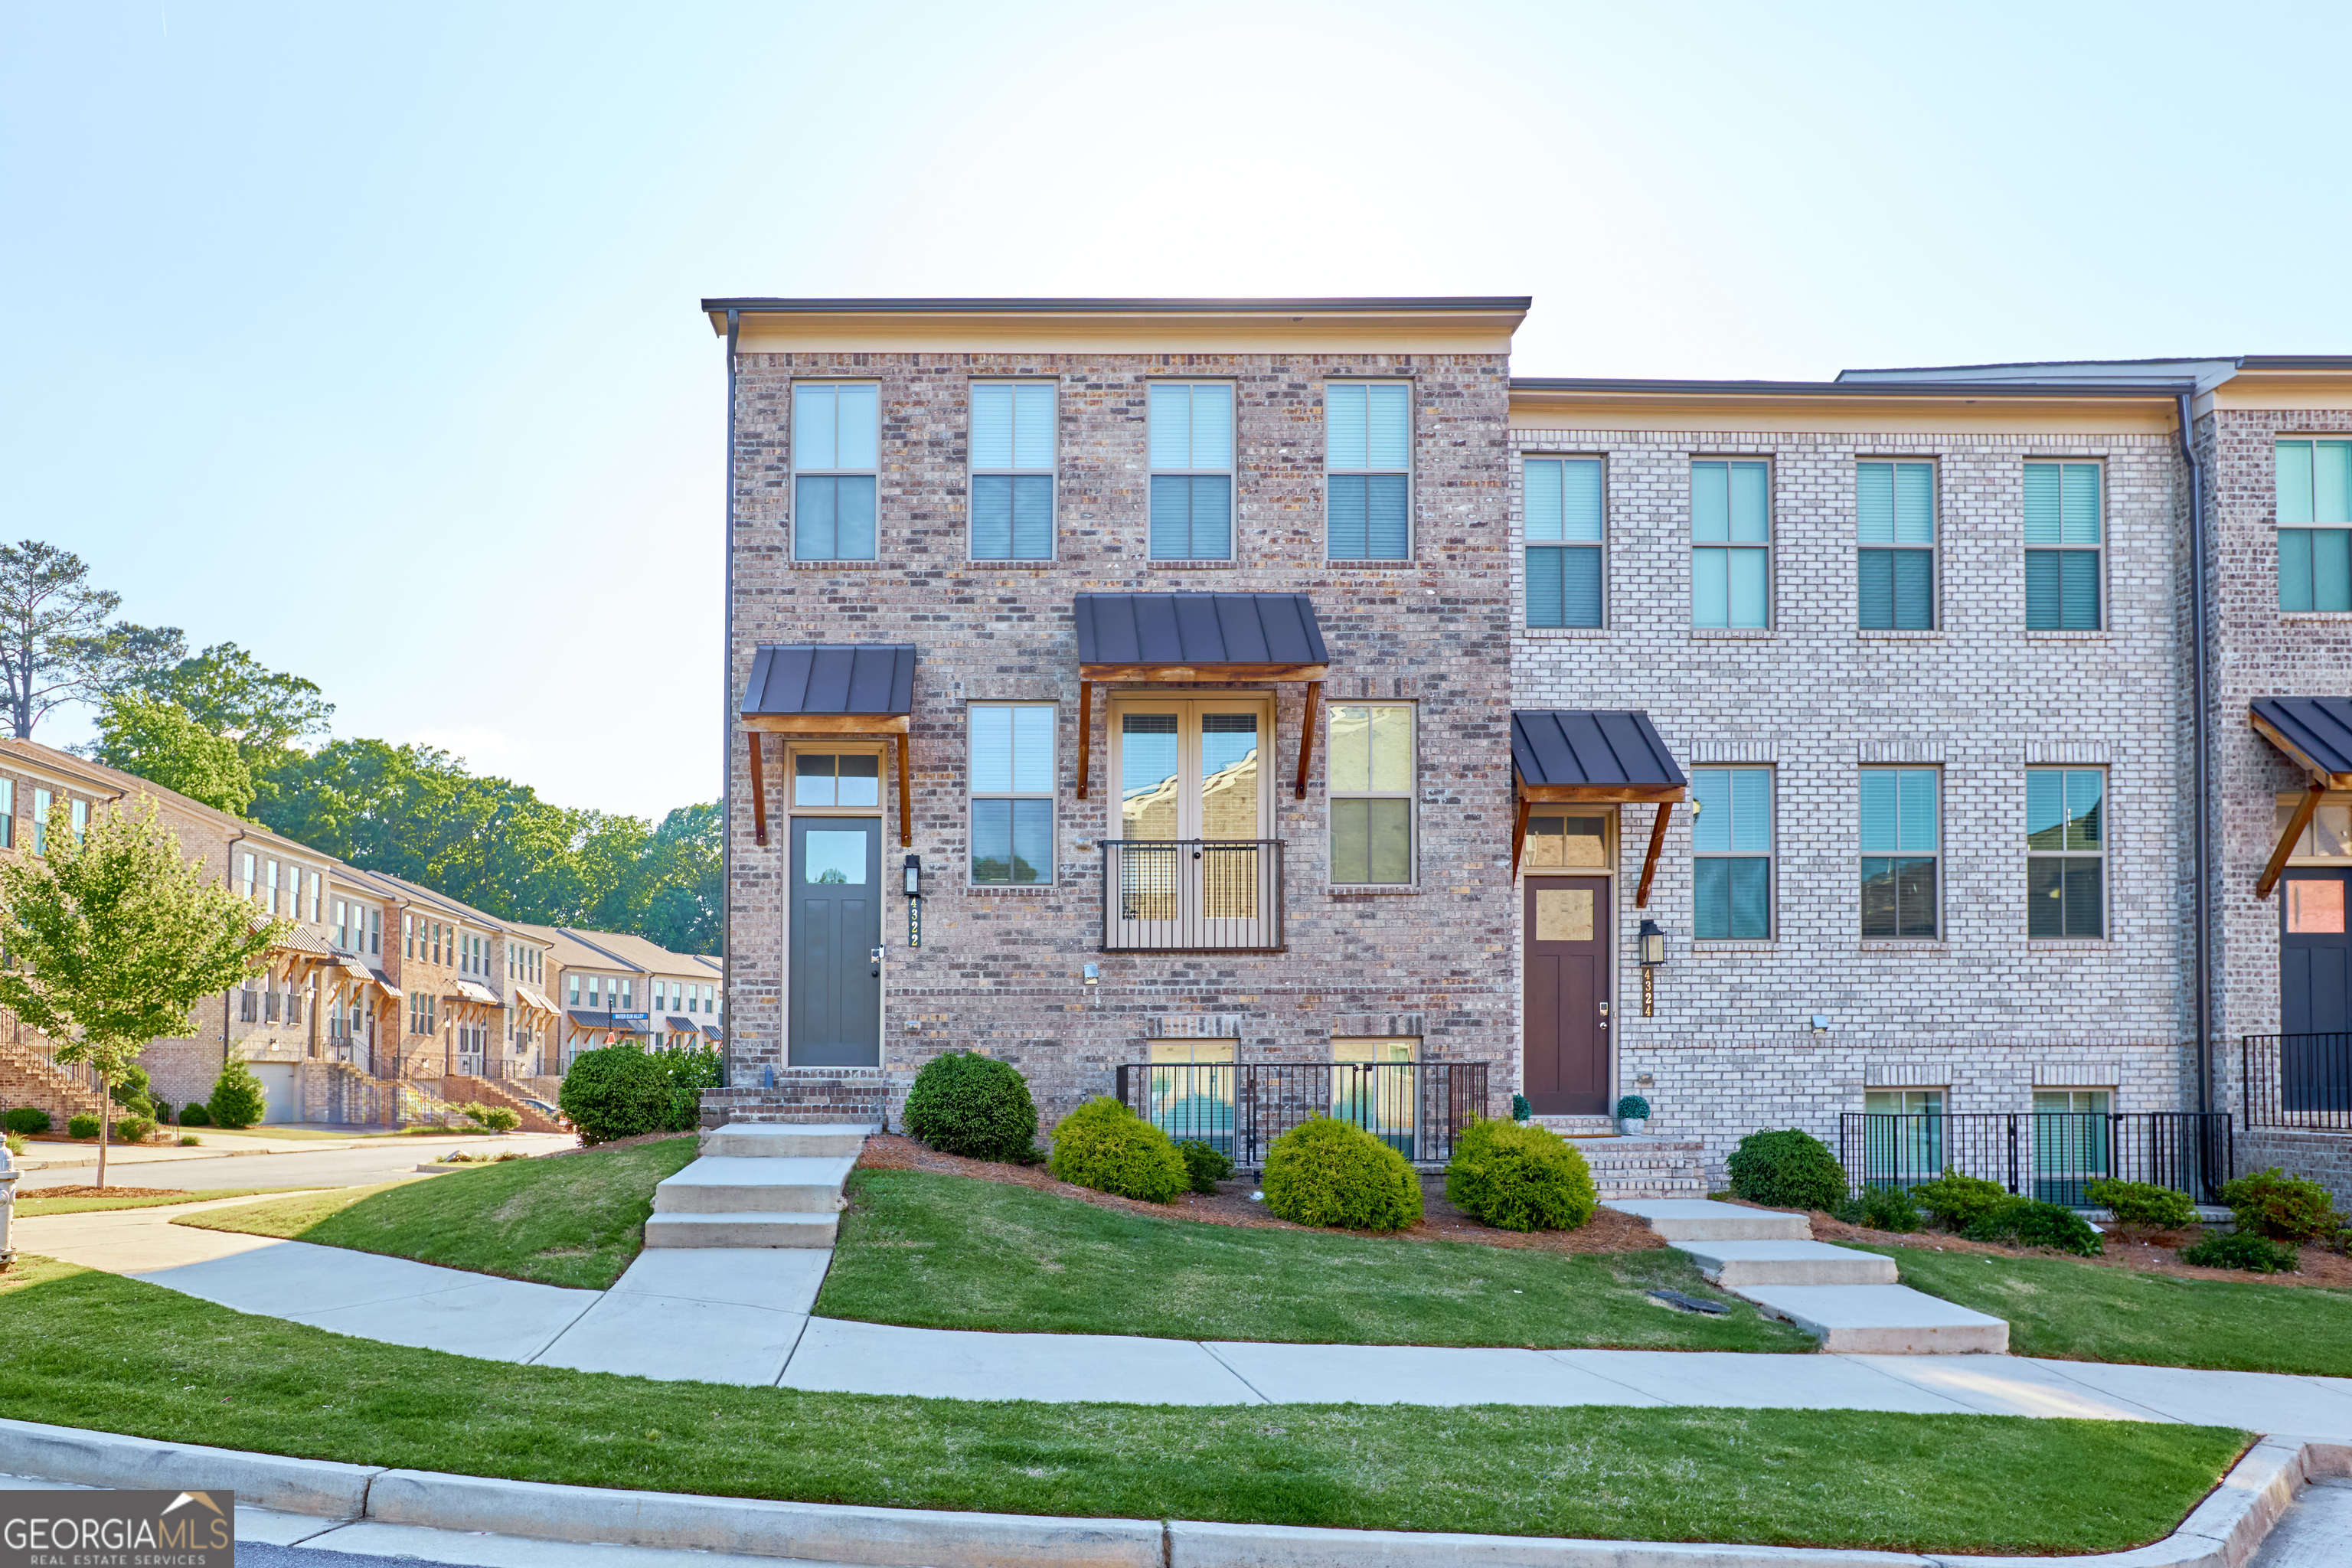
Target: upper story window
(1191,470)
(1731,544)
(1368,470)
(572,991)
(1732,872)
(80,812)
(2063,537)
(835,461)
(2314,525)
(1013,432)
(7,814)
(1370,784)
(375,931)
(1895,506)
(272,905)
(1011,792)
(1564,541)
(1901,817)
(41,800)
(2065,842)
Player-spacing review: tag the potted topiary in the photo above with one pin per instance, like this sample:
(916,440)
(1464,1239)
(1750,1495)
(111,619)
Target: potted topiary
(1632,1115)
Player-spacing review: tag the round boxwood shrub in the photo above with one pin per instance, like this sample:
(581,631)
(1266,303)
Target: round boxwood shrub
(1207,1165)
(1326,1172)
(2286,1208)
(195,1114)
(2242,1249)
(133,1129)
(238,1098)
(2027,1224)
(1788,1169)
(29,1119)
(1104,1145)
(1881,1208)
(617,1091)
(1959,1202)
(965,1103)
(81,1127)
(1515,1175)
(2143,1204)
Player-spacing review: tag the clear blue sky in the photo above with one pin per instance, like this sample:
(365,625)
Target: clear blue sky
(365,335)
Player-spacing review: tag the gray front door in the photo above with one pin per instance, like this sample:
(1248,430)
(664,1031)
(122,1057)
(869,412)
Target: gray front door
(835,915)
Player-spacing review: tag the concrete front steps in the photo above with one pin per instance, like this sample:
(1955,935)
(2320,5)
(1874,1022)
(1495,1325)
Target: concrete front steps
(1848,1300)
(758,1184)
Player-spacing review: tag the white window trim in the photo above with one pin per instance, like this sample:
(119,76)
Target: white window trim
(822,747)
(1411,485)
(1527,542)
(1052,795)
(1411,796)
(797,472)
(2106,837)
(1770,548)
(2106,599)
(973,470)
(1233,471)
(1771,856)
(1942,936)
(1933,547)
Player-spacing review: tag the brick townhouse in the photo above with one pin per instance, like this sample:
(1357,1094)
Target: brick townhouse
(602,982)
(1786,753)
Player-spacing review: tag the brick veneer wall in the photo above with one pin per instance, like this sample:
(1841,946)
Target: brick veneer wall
(1984,1013)
(999,971)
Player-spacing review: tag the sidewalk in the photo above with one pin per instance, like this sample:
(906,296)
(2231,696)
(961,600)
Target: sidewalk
(42,1154)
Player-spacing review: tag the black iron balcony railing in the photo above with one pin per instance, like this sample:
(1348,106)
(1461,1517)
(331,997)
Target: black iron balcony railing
(1241,1107)
(1191,894)
(2296,1080)
(2051,1156)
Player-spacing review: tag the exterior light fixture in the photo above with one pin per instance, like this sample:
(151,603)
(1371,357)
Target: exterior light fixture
(1654,955)
(1092,973)
(914,876)
(913,900)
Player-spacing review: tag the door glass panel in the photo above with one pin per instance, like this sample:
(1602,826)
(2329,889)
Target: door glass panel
(834,857)
(1147,774)
(2314,907)
(1229,782)
(1564,914)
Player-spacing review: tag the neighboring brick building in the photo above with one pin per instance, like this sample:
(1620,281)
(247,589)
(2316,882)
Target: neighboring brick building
(592,975)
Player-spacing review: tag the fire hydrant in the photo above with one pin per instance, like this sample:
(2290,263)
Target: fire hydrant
(8,1174)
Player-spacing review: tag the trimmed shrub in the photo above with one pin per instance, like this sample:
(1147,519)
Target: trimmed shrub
(1959,1202)
(1881,1208)
(16,1144)
(196,1115)
(616,1091)
(1208,1166)
(2285,1208)
(2144,1205)
(965,1103)
(2028,1223)
(29,1119)
(134,1129)
(1632,1107)
(1515,1175)
(1520,1110)
(690,1069)
(129,1092)
(238,1100)
(499,1118)
(1791,1170)
(81,1127)
(1331,1172)
(189,1140)
(1104,1145)
(2242,1249)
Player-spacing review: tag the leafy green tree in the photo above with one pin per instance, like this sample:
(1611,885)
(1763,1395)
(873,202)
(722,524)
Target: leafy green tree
(162,741)
(114,938)
(58,640)
(225,690)
(687,892)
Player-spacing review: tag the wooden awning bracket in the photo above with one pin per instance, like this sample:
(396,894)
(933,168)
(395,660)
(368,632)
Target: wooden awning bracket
(759,791)
(2287,839)
(1306,735)
(1086,734)
(1650,860)
(906,794)
(1530,796)
(1519,832)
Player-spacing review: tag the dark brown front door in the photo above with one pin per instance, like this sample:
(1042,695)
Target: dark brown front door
(1567,1043)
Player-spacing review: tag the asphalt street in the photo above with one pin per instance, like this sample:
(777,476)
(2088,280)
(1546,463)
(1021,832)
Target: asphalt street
(377,1160)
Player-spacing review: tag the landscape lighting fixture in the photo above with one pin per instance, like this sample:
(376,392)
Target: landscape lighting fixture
(1654,955)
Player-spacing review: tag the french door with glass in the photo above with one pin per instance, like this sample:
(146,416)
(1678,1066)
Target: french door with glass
(1194,866)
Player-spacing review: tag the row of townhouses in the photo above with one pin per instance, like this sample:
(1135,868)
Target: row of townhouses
(381,986)
(1163,695)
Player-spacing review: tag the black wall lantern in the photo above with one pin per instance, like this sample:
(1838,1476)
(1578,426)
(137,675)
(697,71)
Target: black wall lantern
(913,900)
(1654,955)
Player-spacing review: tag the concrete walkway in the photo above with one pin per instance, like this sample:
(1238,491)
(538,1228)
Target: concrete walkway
(43,1154)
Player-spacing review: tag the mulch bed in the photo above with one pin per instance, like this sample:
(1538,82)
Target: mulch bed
(1608,1231)
(2143,1252)
(36,1193)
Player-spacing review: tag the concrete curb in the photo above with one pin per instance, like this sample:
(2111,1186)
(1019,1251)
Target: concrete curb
(2221,1531)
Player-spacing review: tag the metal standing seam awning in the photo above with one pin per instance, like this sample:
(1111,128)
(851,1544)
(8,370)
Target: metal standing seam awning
(830,689)
(2315,734)
(1594,756)
(1198,639)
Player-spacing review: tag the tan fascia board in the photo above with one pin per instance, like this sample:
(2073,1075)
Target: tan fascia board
(1809,412)
(1140,330)
(2298,387)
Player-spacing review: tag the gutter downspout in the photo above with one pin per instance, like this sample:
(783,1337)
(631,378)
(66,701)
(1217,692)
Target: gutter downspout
(2202,811)
(727,729)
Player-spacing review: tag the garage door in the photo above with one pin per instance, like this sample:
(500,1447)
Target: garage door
(278,1083)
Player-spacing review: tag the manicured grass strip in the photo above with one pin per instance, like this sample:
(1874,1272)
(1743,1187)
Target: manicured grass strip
(2080,1311)
(575,1220)
(950,1252)
(32,1205)
(85,1349)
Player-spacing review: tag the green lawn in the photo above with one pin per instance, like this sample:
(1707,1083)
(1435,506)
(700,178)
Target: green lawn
(86,1349)
(2059,1307)
(576,1220)
(32,1205)
(951,1252)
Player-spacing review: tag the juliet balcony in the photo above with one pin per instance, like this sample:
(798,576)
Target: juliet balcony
(1191,894)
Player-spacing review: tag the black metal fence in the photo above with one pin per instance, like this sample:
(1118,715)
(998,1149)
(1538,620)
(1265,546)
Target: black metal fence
(2051,1156)
(2296,1080)
(1241,1107)
(1191,894)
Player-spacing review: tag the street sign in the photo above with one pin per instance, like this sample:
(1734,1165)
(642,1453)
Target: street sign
(631,1017)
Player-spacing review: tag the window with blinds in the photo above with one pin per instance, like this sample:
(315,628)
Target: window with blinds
(2063,540)
(1012,441)
(1895,526)
(1368,470)
(1192,445)
(1564,541)
(1731,871)
(1011,780)
(1731,544)
(1900,835)
(2065,842)
(2314,525)
(835,458)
